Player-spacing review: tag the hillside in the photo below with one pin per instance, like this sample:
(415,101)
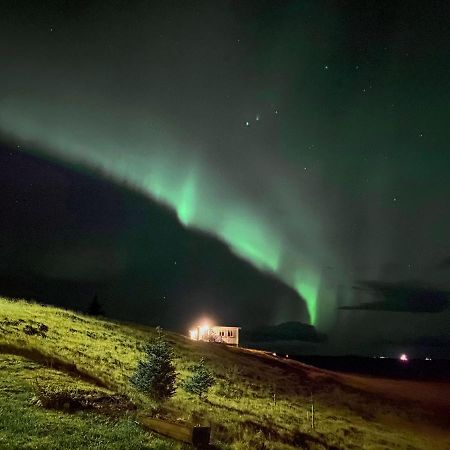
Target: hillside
(71,352)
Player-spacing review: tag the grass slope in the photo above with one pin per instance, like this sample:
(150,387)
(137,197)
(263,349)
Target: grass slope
(88,353)
(24,425)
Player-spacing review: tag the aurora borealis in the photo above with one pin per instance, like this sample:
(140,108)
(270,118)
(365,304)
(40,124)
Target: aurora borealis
(310,137)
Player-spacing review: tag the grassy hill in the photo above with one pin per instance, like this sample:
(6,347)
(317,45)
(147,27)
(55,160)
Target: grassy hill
(50,351)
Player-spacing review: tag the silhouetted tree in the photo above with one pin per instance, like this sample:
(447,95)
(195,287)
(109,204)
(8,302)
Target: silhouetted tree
(95,308)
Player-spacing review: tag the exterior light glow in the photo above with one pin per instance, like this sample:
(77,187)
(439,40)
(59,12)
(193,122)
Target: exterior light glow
(193,334)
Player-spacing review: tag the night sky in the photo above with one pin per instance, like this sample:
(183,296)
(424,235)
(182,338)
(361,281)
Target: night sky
(291,155)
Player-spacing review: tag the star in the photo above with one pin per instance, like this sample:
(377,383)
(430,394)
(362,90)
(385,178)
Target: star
(325,67)
(247,124)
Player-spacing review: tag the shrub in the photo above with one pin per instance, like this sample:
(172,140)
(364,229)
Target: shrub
(200,381)
(156,374)
(80,399)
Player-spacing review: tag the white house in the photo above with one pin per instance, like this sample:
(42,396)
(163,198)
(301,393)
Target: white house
(226,335)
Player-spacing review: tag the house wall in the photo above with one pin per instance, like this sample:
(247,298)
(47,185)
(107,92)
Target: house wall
(229,335)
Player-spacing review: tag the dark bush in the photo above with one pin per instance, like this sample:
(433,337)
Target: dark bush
(77,399)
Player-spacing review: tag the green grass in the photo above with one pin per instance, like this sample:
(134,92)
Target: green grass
(25,425)
(240,407)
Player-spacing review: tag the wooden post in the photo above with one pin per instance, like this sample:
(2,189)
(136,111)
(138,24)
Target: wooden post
(196,435)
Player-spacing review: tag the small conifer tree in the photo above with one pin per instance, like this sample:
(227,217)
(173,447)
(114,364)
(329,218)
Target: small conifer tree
(156,374)
(95,308)
(200,381)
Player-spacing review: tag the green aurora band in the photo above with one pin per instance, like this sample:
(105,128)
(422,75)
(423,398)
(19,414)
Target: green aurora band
(168,116)
(191,190)
(247,235)
(309,137)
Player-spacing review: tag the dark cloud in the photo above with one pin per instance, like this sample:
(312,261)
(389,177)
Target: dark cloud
(401,297)
(444,264)
(288,331)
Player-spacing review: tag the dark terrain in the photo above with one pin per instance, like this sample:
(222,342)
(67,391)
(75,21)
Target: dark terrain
(413,369)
